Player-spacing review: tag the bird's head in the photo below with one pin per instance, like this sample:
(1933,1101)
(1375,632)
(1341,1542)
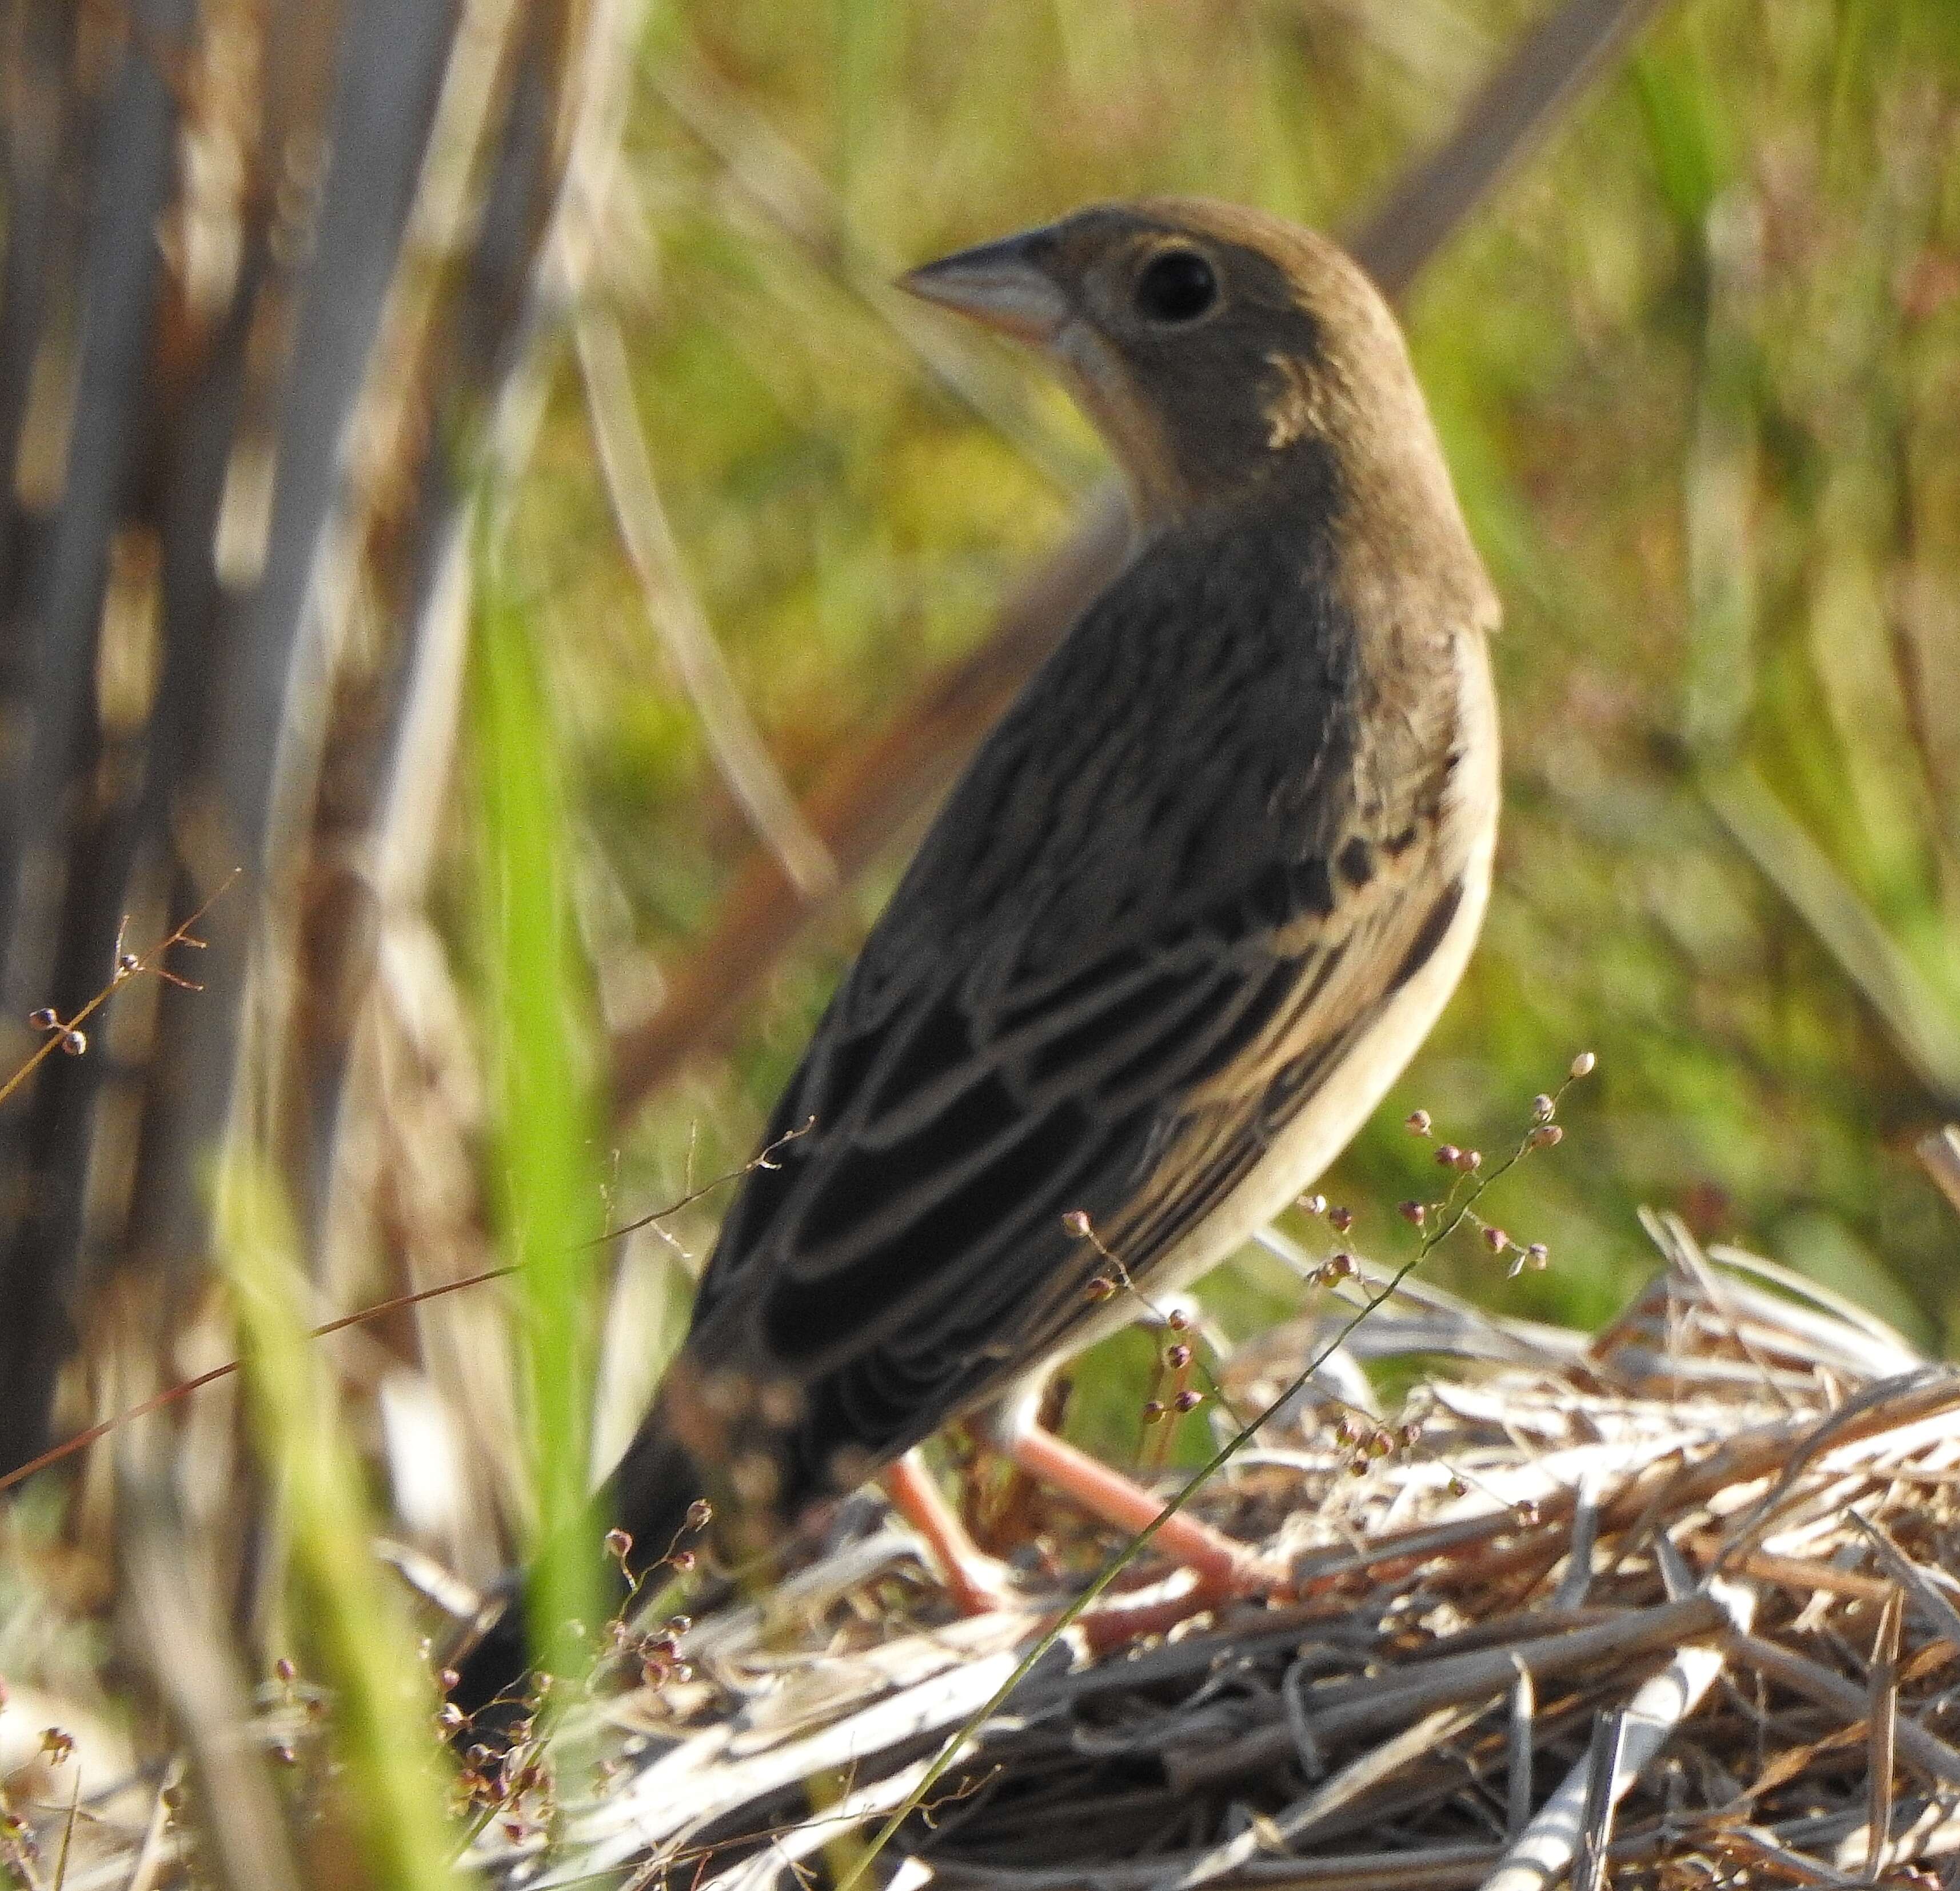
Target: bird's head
(1213,347)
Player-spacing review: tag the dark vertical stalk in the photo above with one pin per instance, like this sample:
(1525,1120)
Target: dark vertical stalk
(235,256)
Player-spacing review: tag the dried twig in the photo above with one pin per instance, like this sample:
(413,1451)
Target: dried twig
(1940,1615)
(1931,1755)
(1939,1155)
(1359,1776)
(66,1035)
(1550,1842)
(1881,1725)
(1422,1658)
(1446,1680)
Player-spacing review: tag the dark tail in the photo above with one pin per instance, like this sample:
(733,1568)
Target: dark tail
(491,1672)
(649,1495)
(653,1489)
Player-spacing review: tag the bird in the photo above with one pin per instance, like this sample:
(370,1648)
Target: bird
(1190,909)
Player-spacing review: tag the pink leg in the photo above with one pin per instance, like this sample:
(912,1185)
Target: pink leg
(978,1583)
(1225,1569)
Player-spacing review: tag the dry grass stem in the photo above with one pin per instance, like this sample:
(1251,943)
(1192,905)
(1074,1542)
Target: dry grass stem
(1422,1711)
(1616,1619)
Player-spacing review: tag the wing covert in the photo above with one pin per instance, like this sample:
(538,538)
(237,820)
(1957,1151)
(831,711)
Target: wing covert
(1051,1017)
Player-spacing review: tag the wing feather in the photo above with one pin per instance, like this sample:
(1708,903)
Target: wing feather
(1056,1013)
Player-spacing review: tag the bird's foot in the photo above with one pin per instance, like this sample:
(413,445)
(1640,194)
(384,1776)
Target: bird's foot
(978,1583)
(1225,1569)
(1214,1569)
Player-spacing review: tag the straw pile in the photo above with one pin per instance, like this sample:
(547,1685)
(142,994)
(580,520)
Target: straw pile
(1673,1606)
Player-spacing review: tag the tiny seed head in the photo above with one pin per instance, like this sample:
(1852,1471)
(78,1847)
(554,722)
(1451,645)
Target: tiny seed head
(1417,1123)
(1584,1064)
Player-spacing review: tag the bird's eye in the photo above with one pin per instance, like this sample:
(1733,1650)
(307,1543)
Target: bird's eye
(1178,285)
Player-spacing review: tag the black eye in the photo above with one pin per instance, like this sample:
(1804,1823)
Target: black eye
(1177,286)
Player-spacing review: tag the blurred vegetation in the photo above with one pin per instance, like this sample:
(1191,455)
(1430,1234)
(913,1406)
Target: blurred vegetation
(547,1201)
(1697,370)
(349,1620)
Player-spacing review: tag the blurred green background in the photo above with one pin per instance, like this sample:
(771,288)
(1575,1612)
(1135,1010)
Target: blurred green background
(1697,367)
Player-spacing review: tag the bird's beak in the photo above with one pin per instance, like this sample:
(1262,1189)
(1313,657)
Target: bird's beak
(1002,285)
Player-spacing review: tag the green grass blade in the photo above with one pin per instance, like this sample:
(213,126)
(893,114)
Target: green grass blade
(382,1724)
(546,1192)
